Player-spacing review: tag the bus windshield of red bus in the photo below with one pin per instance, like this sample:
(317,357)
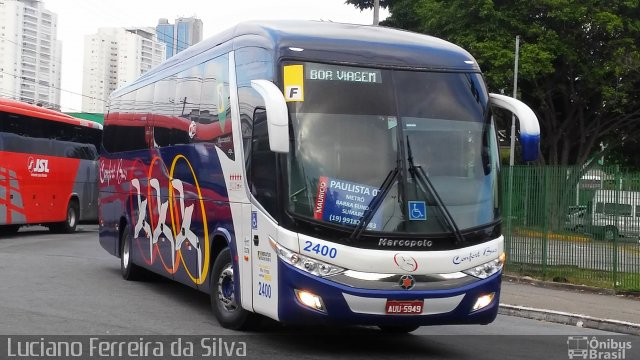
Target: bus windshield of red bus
(411,148)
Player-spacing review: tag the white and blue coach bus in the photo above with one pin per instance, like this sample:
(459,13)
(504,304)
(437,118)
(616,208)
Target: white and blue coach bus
(313,172)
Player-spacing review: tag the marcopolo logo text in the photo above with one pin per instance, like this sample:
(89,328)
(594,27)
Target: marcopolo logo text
(405,243)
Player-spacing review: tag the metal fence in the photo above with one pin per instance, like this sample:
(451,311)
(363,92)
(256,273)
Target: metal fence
(568,225)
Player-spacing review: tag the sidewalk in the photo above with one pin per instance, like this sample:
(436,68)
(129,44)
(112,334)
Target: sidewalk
(571,305)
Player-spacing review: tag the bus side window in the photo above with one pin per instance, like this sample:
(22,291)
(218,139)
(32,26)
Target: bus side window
(124,127)
(214,114)
(163,106)
(263,164)
(186,105)
(251,63)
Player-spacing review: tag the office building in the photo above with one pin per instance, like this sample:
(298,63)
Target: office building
(114,57)
(30,54)
(179,36)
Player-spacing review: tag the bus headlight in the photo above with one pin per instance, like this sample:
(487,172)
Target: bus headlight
(487,269)
(312,266)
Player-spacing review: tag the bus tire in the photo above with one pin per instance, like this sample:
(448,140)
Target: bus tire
(398,329)
(128,269)
(71,220)
(227,311)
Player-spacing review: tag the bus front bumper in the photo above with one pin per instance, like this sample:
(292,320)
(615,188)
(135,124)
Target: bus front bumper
(344,305)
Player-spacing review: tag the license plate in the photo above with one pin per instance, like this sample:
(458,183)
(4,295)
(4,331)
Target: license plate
(404,306)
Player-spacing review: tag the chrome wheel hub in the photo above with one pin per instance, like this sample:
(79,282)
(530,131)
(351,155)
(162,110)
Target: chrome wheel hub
(226,295)
(71,217)
(125,255)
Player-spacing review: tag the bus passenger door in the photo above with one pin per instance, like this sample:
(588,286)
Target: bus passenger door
(262,184)
(264,263)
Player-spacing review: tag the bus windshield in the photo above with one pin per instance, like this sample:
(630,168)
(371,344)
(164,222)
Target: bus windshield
(407,151)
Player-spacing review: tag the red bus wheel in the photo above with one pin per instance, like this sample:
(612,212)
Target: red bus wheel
(71,219)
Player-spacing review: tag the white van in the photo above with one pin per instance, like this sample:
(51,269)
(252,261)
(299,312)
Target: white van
(616,213)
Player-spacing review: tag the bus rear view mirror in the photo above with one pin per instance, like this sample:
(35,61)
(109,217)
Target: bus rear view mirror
(529,126)
(277,115)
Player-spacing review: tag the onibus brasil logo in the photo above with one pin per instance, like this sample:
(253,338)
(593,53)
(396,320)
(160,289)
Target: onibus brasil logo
(581,347)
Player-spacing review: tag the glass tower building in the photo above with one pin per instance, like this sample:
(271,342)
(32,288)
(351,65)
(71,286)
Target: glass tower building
(179,36)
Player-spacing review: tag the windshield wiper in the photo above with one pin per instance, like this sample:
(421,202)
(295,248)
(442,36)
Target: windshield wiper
(375,204)
(418,173)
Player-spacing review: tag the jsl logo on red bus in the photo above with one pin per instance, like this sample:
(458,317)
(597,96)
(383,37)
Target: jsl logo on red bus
(38,167)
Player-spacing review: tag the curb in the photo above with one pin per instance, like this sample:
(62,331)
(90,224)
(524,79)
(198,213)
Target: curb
(565,318)
(569,287)
(556,285)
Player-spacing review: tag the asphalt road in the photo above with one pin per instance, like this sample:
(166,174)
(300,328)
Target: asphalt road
(53,284)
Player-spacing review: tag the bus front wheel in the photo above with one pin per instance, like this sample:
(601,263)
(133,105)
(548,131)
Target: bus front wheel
(224,304)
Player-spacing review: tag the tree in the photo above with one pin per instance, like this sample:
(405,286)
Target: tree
(579,62)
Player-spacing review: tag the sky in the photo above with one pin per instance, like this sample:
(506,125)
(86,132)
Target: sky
(77,18)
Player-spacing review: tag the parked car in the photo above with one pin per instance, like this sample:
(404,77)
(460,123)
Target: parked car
(577,218)
(616,213)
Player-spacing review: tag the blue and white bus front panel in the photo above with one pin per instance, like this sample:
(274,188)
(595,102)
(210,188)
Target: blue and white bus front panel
(354,284)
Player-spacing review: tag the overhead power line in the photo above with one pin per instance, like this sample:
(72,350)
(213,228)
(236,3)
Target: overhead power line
(50,86)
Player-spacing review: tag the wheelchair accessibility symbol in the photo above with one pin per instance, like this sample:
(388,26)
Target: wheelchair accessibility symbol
(254,220)
(417,210)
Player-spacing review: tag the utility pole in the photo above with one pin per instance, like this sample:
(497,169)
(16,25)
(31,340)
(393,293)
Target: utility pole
(376,11)
(515,96)
(512,155)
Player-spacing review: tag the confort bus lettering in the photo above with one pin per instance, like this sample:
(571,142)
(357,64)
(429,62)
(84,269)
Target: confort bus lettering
(178,232)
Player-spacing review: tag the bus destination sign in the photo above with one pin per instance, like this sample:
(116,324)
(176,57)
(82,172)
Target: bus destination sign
(314,71)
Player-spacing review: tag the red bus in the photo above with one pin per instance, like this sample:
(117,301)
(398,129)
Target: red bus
(48,168)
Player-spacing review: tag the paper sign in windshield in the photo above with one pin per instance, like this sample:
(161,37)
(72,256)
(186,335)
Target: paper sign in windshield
(344,202)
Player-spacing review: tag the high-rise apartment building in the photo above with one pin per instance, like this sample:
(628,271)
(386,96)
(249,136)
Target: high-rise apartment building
(30,54)
(179,36)
(114,57)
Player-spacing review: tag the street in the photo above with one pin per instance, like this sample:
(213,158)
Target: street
(55,284)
